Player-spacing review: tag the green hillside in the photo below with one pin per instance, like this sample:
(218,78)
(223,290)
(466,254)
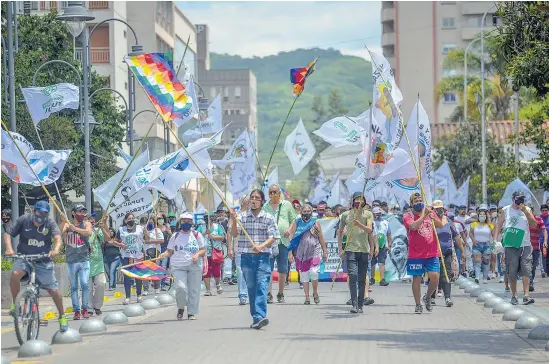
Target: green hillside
(350,75)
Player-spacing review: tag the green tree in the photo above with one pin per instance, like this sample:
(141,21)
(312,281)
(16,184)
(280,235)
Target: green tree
(43,38)
(463,152)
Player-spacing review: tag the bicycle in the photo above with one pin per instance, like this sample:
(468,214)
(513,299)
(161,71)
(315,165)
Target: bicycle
(26,315)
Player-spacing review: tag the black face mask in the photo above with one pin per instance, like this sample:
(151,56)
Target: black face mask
(5,220)
(519,200)
(130,223)
(306,217)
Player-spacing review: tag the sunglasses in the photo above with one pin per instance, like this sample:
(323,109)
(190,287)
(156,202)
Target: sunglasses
(274,192)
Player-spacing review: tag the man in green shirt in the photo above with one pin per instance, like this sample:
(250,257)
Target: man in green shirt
(284,214)
(356,225)
(97,268)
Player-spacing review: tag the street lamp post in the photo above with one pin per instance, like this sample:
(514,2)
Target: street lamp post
(76,16)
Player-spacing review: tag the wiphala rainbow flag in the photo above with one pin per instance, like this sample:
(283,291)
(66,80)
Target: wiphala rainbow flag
(146,271)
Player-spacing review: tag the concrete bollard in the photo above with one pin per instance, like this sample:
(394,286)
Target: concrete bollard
(165,299)
(513,314)
(134,310)
(527,322)
(70,336)
(92,326)
(34,348)
(500,308)
(115,318)
(540,332)
(493,302)
(150,304)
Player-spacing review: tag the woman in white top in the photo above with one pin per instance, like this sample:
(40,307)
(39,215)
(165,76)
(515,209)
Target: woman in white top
(481,235)
(131,237)
(152,250)
(186,250)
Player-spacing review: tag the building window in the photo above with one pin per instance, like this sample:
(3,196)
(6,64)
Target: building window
(237,92)
(237,111)
(226,112)
(388,27)
(450,97)
(449,73)
(162,46)
(213,93)
(100,45)
(496,21)
(164,15)
(448,23)
(234,134)
(125,85)
(447,48)
(389,50)
(474,21)
(190,56)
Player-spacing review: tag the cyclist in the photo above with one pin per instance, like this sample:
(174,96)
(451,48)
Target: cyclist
(36,232)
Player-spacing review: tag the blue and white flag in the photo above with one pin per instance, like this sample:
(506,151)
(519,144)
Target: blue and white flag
(272,179)
(125,156)
(341,131)
(240,151)
(461,198)
(299,148)
(209,121)
(444,185)
(516,185)
(43,101)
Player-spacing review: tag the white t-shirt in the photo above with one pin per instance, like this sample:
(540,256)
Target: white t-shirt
(184,246)
(133,241)
(516,226)
(482,232)
(155,234)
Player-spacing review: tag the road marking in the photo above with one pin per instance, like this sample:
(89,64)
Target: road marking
(7,329)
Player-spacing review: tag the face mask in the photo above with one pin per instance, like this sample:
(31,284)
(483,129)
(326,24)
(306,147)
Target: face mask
(5,220)
(306,217)
(160,221)
(79,218)
(39,219)
(377,217)
(482,218)
(320,214)
(494,215)
(439,213)
(186,226)
(130,223)
(418,207)
(172,223)
(545,214)
(519,200)
(356,204)
(150,227)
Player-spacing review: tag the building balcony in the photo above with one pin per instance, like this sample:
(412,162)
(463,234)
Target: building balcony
(387,14)
(388,39)
(99,55)
(50,5)
(475,7)
(97,5)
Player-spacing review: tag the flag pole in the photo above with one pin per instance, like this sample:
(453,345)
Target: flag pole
(366,179)
(33,172)
(414,163)
(104,217)
(42,146)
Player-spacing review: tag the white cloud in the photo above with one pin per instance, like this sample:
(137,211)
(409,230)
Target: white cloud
(266,28)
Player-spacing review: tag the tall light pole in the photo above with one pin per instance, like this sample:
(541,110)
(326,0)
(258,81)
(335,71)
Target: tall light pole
(76,16)
(483,109)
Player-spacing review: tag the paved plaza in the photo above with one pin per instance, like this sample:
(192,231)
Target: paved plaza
(387,332)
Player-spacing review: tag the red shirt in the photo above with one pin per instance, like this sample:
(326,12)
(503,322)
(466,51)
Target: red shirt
(535,232)
(422,243)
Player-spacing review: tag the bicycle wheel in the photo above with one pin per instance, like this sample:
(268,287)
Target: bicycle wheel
(27,317)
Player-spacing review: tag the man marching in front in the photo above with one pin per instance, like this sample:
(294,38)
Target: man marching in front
(255,257)
(423,249)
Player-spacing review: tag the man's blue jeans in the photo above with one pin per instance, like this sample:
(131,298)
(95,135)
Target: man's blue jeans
(257,273)
(110,268)
(79,272)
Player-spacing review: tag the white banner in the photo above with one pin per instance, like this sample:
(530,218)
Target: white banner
(138,204)
(43,101)
(209,121)
(340,131)
(299,148)
(461,198)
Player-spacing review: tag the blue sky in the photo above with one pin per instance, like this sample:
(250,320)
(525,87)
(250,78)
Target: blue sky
(266,28)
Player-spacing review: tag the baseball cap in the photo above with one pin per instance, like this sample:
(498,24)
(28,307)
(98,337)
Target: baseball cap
(93,214)
(493,207)
(438,204)
(79,207)
(357,195)
(483,207)
(171,214)
(462,207)
(42,206)
(184,215)
(296,202)
(377,210)
(518,193)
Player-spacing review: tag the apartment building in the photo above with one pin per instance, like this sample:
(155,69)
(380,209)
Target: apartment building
(417,35)
(238,90)
(160,26)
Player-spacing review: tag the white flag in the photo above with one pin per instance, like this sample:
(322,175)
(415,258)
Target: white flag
(461,198)
(137,204)
(299,148)
(329,188)
(272,179)
(42,101)
(179,204)
(545,197)
(444,185)
(189,85)
(242,178)
(340,131)
(104,192)
(239,152)
(516,185)
(317,191)
(209,121)
(48,165)
(334,196)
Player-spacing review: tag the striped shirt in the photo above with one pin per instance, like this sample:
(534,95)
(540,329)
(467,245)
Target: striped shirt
(259,228)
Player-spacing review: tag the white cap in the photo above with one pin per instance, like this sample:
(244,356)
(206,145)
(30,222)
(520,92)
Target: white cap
(185,215)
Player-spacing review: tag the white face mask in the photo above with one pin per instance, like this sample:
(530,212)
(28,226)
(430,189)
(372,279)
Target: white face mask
(482,218)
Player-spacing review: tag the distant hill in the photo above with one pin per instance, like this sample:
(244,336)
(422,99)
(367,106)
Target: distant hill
(350,75)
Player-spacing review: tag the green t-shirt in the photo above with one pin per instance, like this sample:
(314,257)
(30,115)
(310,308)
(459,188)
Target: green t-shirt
(96,257)
(287,216)
(359,240)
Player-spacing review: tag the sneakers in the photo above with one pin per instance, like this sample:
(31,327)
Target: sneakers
(180,313)
(383,283)
(433,302)
(191,317)
(85,314)
(372,281)
(349,303)
(63,323)
(300,285)
(428,304)
(501,280)
(507,289)
(359,310)
(219,289)
(242,301)
(261,323)
(526,300)
(139,299)
(354,309)
(280,297)
(531,288)
(368,301)
(156,292)
(476,280)
(307,302)
(316,299)
(439,293)
(76,315)
(543,275)
(208,293)
(145,293)
(514,301)
(484,281)
(269,298)
(98,312)
(126,302)
(419,309)
(449,302)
